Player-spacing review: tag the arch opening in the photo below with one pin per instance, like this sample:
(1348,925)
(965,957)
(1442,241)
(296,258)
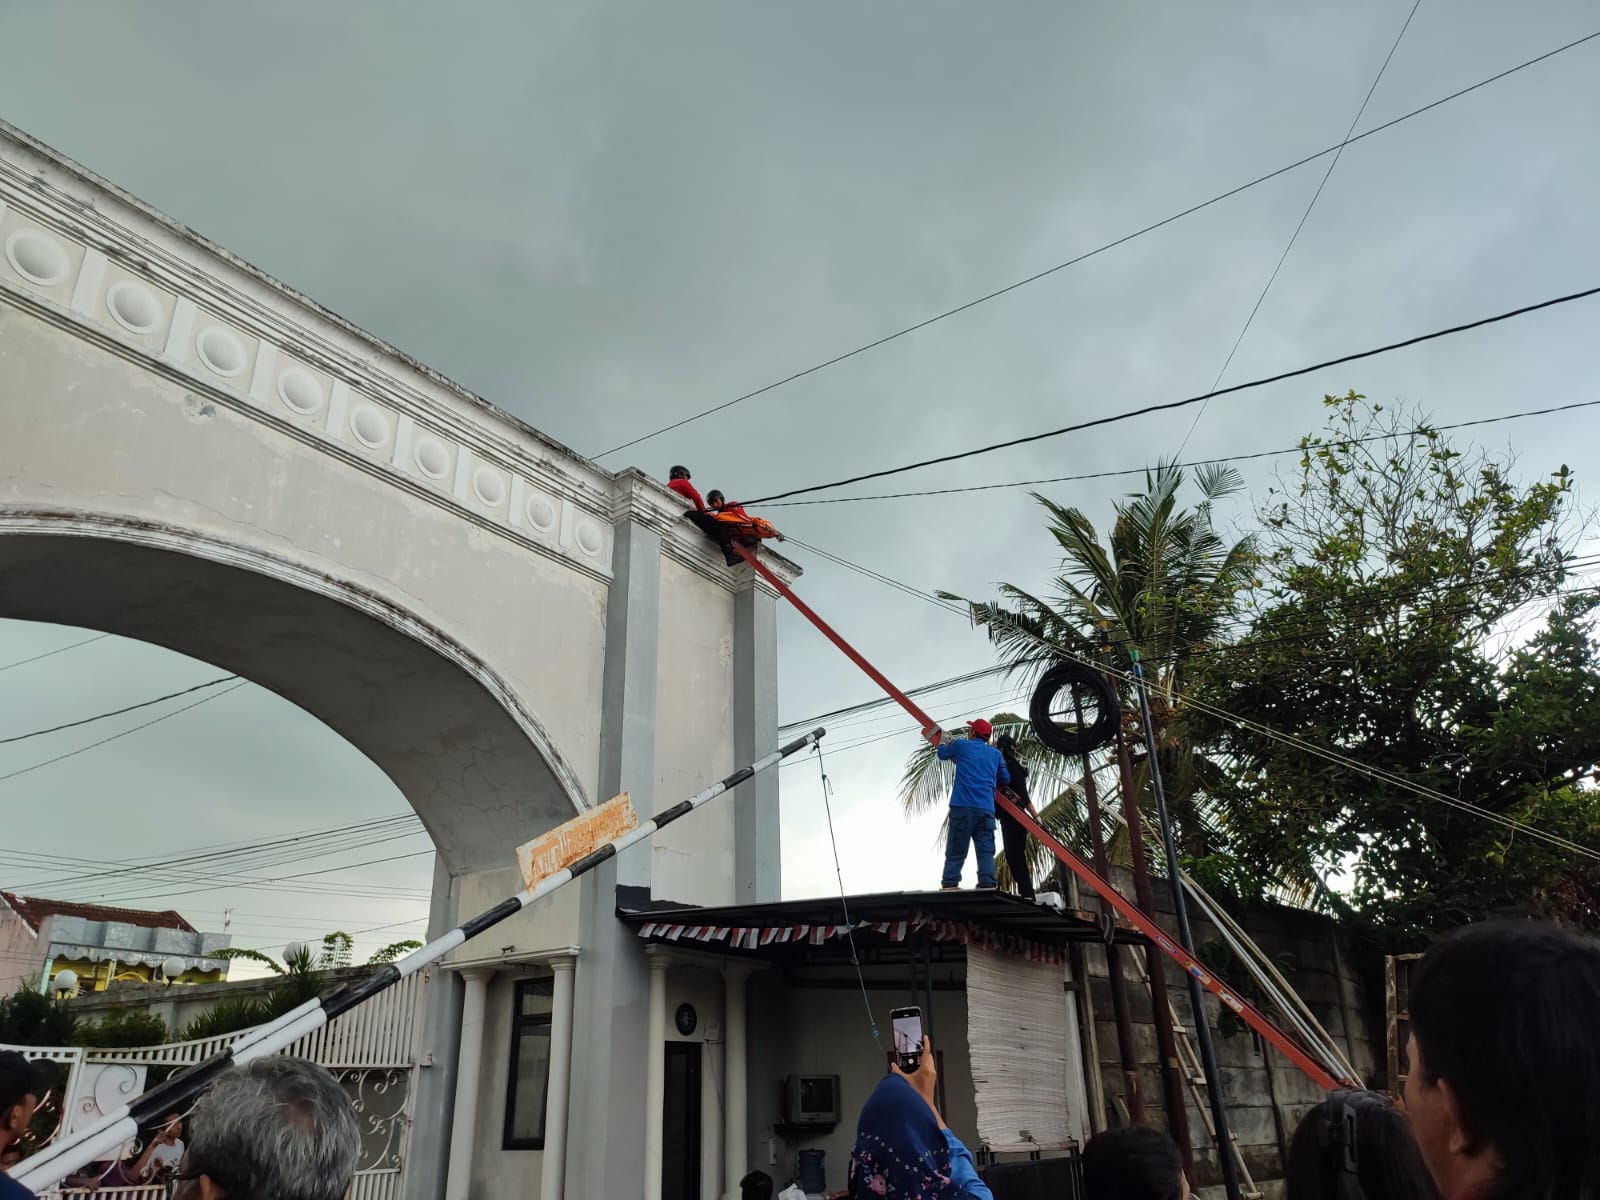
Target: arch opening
(476,766)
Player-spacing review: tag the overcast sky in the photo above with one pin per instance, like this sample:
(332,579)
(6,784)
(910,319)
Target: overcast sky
(603,217)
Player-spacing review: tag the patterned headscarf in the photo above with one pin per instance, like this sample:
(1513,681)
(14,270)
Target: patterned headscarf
(900,1151)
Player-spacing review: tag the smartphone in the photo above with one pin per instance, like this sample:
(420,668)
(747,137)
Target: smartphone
(907,1026)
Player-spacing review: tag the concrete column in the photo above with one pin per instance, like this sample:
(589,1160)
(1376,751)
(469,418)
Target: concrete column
(757,878)
(655,1074)
(558,1094)
(605,1136)
(735,1139)
(464,1127)
(713,1111)
(429,1153)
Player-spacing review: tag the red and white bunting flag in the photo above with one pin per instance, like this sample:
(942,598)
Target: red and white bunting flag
(767,935)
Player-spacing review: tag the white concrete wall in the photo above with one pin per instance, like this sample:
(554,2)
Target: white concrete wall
(21,954)
(823,1031)
(692,861)
(495,1171)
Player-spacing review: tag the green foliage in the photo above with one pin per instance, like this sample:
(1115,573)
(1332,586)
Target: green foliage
(228,1015)
(239,954)
(1399,568)
(123,1027)
(1165,582)
(393,951)
(336,951)
(30,1018)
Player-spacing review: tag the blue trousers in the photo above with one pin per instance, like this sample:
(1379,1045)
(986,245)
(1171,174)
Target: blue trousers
(969,826)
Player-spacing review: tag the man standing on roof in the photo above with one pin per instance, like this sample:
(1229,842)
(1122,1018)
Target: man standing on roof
(1012,833)
(979,771)
(678,481)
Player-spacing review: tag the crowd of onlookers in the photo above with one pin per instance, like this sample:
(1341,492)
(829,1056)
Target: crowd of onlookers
(1502,1102)
(1502,1099)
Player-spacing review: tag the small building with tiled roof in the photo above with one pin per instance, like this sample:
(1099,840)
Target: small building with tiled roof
(101,945)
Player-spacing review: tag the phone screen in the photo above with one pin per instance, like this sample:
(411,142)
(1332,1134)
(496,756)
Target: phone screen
(907,1025)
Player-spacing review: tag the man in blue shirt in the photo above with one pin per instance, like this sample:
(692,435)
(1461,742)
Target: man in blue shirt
(979,771)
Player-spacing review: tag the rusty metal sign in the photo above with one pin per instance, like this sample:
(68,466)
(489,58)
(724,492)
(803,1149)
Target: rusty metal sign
(567,843)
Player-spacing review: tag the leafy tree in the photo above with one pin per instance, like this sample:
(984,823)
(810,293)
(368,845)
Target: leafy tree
(393,951)
(1167,583)
(1400,573)
(28,1017)
(300,980)
(123,1027)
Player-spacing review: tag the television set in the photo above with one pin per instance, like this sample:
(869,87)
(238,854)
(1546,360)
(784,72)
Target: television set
(811,1100)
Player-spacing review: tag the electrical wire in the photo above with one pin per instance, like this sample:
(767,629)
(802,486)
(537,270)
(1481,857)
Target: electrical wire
(22,662)
(1334,757)
(125,733)
(1304,217)
(1170,405)
(1122,472)
(1034,278)
(117,712)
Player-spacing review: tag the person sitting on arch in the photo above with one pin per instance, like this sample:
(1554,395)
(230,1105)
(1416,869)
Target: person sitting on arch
(678,481)
(726,524)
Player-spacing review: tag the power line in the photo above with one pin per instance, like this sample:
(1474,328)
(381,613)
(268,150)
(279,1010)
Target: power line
(1302,448)
(1332,756)
(22,662)
(1034,278)
(117,712)
(1185,403)
(1304,217)
(125,733)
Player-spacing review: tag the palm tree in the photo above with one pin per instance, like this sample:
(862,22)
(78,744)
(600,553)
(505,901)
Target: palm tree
(1166,584)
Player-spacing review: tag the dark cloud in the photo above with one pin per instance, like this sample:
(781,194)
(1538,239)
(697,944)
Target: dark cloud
(604,217)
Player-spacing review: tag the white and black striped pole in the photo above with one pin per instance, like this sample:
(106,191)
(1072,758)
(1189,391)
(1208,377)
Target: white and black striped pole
(71,1154)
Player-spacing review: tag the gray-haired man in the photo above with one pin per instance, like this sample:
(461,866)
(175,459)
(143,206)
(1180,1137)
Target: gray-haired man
(279,1127)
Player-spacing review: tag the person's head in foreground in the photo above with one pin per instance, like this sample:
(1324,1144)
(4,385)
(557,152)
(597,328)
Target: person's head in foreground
(1356,1146)
(24,1083)
(1504,1085)
(1133,1162)
(981,729)
(276,1129)
(756,1186)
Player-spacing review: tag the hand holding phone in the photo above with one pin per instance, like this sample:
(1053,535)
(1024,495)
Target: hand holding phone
(907,1026)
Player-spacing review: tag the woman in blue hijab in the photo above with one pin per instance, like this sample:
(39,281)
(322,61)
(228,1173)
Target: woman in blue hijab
(904,1150)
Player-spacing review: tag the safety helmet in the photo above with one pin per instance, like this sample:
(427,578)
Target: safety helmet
(678,473)
(715,497)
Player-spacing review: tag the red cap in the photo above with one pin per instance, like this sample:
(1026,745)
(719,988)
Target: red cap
(981,728)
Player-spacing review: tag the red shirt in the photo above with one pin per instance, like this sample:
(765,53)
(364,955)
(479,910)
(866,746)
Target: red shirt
(735,510)
(689,492)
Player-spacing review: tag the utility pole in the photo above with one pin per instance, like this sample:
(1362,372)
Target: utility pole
(1126,1052)
(1202,1026)
(1155,967)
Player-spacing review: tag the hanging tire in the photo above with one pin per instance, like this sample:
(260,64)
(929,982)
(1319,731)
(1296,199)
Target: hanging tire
(1062,692)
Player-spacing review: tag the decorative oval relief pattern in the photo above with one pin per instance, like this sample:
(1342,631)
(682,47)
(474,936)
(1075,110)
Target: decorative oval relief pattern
(370,425)
(38,257)
(590,539)
(135,307)
(431,457)
(490,486)
(541,513)
(300,391)
(222,351)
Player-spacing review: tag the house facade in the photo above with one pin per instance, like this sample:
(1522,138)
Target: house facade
(100,945)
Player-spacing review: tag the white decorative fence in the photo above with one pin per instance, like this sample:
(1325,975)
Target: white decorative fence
(371,1050)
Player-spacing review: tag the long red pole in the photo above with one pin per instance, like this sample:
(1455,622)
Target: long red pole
(1124,907)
